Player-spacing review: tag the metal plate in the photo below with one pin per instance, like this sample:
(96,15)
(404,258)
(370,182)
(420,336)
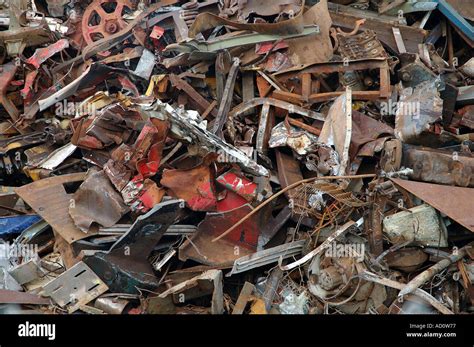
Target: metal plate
(455,202)
(49,199)
(240,242)
(75,287)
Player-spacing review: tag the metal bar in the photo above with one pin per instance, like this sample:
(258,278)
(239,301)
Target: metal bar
(7,73)
(244,298)
(426,275)
(319,249)
(197,98)
(227,96)
(263,129)
(304,126)
(267,256)
(454,17)
(236,41)
(368,276)
(399,40)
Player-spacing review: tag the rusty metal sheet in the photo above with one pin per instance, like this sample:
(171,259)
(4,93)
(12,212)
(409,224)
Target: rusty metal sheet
(361,46)
(289,172)
(240,242)
(439,166)
(96,201)
(195,186)
(345,17)
(365,133)
(68,255)
(455,202)
(467,114)
(118,174)
(314,48)
(49,199)
(213,276)
(8,199)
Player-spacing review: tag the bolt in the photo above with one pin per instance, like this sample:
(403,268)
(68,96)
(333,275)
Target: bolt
(111,27)
(108,275)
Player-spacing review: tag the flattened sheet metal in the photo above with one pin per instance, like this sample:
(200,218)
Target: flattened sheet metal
(337,129)
(316,48)
(77,286)
(49,199)
(195,186)
(241,242)
(289,172)
(455,202)
(96,201)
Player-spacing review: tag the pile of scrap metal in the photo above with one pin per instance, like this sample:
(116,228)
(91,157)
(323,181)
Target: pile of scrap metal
(235,157)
